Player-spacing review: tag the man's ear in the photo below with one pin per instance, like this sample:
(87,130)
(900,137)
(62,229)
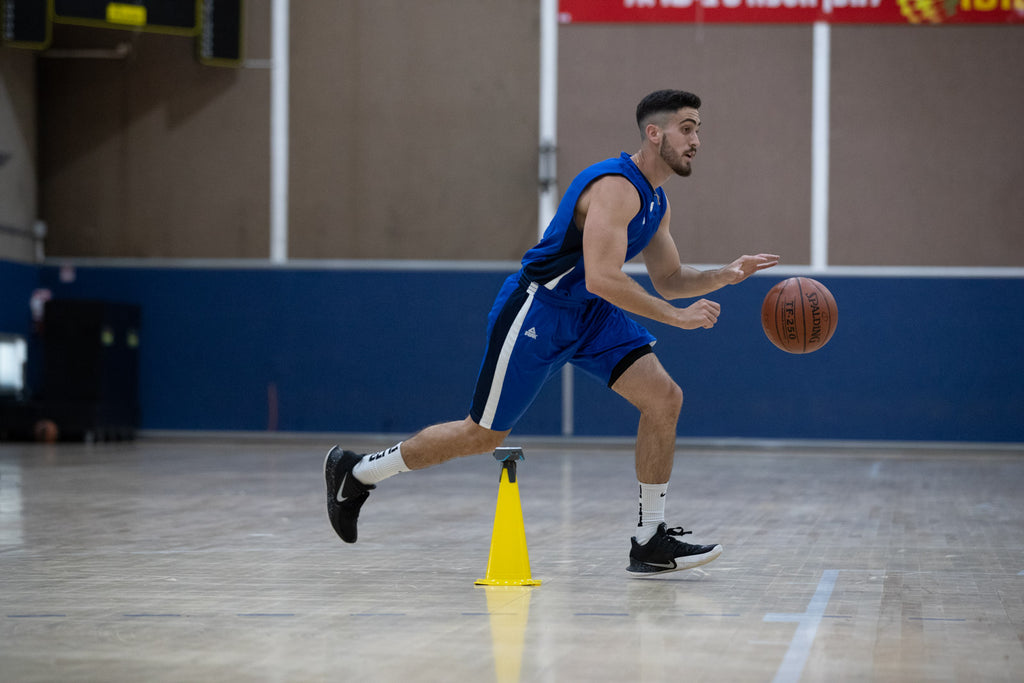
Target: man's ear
(653,133)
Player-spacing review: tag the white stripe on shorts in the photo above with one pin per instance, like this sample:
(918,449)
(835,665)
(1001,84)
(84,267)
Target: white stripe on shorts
(491,407)
(554,283)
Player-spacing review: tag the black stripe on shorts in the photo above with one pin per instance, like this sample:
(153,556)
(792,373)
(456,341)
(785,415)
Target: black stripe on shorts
(627,361)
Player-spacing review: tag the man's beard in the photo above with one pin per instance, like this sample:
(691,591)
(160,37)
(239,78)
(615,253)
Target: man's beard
(677,162)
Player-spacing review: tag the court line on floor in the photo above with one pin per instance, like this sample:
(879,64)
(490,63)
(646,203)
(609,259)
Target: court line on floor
(793,662)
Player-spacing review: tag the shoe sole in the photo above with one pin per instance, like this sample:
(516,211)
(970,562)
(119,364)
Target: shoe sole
(646,571)
(329,467)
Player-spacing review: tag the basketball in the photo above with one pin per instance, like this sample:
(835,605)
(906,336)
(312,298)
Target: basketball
(799,315)
(46,431)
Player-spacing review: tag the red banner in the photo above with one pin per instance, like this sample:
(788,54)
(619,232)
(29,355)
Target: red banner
(921,12)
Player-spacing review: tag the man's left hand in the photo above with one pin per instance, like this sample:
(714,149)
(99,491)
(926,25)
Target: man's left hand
(745,266)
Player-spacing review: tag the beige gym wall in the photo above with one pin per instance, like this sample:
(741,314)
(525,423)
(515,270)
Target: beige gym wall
(414,136)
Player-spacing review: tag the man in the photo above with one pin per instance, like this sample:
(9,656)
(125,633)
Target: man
(567,305)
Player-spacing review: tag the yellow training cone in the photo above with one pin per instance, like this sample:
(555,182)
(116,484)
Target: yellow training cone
(509,562)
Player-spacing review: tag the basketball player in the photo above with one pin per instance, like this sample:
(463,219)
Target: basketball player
(568,304)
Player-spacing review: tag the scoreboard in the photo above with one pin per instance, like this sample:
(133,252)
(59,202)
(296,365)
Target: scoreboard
(164,16)
(215,24)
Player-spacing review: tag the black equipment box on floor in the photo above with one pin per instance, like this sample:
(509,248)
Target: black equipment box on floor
(91,367)
(90,378)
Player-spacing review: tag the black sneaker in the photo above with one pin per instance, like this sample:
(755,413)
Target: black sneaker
(664,553)
(345,493)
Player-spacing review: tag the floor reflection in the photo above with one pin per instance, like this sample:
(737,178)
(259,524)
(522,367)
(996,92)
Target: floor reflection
(509,611)
(11,513)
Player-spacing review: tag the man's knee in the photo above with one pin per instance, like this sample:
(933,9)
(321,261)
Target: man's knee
(674,398)
(664,401)
(484,440)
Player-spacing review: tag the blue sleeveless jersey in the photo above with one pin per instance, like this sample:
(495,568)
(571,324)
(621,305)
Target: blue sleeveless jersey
(557,261)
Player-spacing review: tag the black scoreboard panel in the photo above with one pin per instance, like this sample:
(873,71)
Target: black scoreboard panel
(167,16)
(221,39)
(25,23)
(215,24)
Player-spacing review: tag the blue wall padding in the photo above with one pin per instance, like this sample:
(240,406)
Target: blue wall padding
(377,351)
(912,358)
(933,359)
(17,282)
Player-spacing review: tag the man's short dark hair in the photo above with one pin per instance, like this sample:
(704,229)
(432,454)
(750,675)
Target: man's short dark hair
(664,101)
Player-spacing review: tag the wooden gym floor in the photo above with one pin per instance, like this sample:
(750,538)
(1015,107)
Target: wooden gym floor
(193,560)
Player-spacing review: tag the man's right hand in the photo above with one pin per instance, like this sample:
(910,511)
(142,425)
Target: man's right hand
(702,313)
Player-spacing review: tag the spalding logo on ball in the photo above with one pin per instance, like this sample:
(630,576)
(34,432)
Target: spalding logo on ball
(799,315)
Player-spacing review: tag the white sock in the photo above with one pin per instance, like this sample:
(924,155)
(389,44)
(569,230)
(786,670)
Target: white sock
(375,467)
(652,510)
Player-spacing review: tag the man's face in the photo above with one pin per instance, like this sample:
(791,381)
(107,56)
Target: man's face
(679,141)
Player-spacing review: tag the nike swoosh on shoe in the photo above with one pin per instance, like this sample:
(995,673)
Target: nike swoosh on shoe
(341,490)
(659,565)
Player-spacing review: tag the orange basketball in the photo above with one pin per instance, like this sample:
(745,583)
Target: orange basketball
(46,431)
(799,315)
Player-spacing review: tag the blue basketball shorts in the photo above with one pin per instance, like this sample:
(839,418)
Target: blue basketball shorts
(532,332)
